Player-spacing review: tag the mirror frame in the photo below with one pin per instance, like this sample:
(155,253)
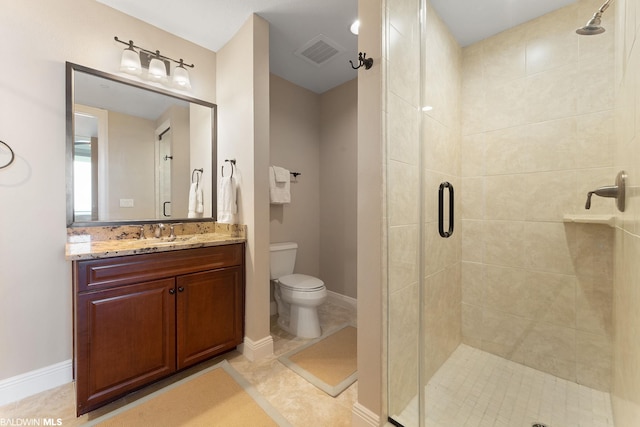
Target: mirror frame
(71,68)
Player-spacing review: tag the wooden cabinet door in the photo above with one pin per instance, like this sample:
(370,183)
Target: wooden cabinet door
(210,308)
(126,339)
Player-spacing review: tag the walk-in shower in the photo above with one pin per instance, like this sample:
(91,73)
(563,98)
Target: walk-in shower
(502,314)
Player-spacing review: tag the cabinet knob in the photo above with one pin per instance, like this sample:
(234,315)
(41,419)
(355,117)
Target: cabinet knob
(172,291)
(180,289)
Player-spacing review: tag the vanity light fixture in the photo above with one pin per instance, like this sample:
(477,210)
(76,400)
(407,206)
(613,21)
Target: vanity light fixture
(181,76)
(158,65)
(130,62)
(157,69)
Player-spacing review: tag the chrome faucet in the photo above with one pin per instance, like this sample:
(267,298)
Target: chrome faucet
(157,232)
(172,234)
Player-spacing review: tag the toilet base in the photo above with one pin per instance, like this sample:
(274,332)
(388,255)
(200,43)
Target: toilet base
(303,322)
(298,320)
(309,331)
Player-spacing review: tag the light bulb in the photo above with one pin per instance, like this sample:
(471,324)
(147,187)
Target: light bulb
(157,69)
(130,62)
(181,77)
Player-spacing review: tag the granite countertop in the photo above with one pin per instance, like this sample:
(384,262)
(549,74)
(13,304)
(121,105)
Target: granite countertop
(103,242)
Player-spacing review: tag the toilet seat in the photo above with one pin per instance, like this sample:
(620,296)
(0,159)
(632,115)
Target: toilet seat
(301,283)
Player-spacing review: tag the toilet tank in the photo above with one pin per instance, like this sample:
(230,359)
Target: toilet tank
(282,259)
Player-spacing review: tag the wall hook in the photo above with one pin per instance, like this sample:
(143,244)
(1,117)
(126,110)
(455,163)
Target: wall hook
(362,61)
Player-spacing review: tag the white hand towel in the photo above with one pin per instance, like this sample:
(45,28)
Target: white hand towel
(192,200)
(199,202)
(279,192)
(227,204)
(282,174)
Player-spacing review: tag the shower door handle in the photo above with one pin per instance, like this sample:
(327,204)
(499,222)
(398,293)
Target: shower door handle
(445,234)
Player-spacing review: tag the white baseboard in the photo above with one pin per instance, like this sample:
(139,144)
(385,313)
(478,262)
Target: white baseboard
(363,417)
(342,299)
(33,382)
(256,350)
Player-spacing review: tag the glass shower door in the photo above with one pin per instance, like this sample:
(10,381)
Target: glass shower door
(404,210)
(423,177)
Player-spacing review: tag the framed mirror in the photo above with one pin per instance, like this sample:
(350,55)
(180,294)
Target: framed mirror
(136,153)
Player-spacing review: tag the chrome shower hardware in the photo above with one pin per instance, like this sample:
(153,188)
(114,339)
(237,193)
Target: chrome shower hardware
(616,191)
(594,26)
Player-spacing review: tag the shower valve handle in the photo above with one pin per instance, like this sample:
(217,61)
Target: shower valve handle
(607,191)
(616,191)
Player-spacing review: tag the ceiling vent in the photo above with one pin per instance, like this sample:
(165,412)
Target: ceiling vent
(319,50)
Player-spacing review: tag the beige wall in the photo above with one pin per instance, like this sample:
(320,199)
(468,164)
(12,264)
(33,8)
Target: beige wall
(537,135)
(40,37)
(338,181)
(131,148)
(295,145)
(371,265)
(315,134)
(626,320)
(243,134)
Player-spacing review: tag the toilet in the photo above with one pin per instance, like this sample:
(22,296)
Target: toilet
(297,295)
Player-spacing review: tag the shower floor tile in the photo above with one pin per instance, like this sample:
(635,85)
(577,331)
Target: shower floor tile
(478,389)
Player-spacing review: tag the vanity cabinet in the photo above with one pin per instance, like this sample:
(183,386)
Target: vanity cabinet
(140,318)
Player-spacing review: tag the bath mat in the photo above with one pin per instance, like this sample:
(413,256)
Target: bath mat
(217,396)
(328,362)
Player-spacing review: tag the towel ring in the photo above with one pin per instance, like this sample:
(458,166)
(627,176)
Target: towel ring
(222,171)
(196,175)
(13,156)
(233,162)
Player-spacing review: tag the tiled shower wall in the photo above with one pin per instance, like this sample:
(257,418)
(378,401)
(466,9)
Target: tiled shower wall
(626,320)
(537,134)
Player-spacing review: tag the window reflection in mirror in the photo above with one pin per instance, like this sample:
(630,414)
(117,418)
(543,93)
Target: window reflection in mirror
(90,176)
(134,149)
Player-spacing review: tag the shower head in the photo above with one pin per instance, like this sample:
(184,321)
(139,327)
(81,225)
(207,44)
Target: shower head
(593,26)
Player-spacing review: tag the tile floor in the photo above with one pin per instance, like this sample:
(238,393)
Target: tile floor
(478,389)
(298,401)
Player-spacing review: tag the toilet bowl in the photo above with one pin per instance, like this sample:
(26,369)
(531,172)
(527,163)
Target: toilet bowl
(297,295)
